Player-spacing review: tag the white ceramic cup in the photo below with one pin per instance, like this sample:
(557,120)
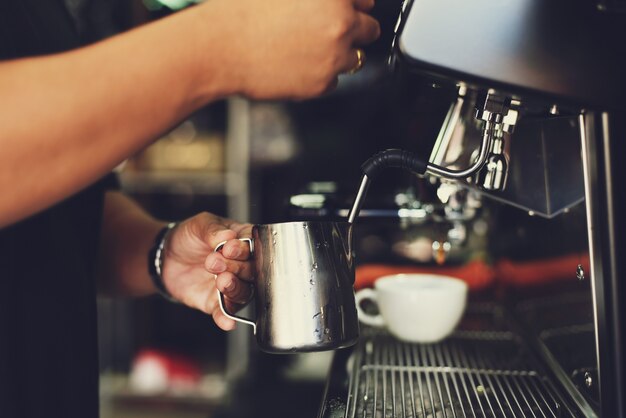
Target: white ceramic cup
(422,308)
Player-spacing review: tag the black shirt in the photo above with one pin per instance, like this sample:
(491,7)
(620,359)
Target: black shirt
(48,335)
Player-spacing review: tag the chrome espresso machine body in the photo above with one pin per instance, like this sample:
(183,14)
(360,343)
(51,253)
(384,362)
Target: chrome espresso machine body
(538,123)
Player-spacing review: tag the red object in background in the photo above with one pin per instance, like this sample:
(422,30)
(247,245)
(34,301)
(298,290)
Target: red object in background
(479,275)
(158,371)
(535,272)
(476,273)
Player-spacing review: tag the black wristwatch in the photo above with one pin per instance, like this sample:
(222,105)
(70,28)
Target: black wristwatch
(155,261)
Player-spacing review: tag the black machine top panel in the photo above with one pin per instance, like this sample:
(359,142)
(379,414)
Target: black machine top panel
(566,49)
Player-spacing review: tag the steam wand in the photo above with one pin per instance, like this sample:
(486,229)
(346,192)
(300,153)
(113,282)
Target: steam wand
(498,115)
(407,160)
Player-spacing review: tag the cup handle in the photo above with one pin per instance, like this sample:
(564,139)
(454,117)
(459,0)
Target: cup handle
(373,320)
(220,296)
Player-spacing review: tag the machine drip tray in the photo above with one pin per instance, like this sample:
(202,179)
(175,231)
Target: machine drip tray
(470,374)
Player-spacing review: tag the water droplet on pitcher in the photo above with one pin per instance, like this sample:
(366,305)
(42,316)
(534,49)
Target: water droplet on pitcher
(314,267)
(311,282)
(336,405)
(305,226)
(326,330)
(274,241)
(275,233)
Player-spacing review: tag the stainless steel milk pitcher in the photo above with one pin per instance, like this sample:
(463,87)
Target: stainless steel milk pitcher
(304,276)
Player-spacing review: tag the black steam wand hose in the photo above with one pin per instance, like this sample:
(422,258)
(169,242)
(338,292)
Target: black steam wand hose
(385,159)
(409,161)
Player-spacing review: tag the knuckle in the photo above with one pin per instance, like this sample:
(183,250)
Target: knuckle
(208,261)
(239,269)
(341,26)
(204,215)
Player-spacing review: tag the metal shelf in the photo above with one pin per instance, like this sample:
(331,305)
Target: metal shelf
(173,182)
(469,375)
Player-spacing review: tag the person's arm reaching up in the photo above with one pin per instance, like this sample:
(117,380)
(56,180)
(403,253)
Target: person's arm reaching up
(67,119)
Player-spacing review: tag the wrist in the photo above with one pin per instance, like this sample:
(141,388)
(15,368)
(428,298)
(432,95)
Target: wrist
(216,61)
(156,260)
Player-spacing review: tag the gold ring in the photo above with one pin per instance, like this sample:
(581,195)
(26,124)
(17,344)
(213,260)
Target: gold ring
(360,60)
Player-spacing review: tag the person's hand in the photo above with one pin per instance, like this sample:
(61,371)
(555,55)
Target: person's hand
(291,49)
(191,268)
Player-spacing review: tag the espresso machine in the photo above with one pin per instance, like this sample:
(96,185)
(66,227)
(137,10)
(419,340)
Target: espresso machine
(530,149)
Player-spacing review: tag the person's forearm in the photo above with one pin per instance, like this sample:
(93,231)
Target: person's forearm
(128,234)
(82,112)
(67,119)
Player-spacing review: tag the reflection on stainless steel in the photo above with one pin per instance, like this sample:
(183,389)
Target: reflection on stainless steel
(464,173)
(452,130)
(494,174)
(537,169)
(477,374)
(588,149)
(491,166)
(304,295)
(545,168)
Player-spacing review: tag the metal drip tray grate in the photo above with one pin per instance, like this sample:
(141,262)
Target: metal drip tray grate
(472,374)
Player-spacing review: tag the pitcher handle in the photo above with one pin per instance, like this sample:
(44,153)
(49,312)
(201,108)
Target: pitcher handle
(220,295)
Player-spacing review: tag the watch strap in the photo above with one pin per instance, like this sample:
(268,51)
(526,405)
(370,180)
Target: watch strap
(155,260)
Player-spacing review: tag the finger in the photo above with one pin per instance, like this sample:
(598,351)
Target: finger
(211,306)
(364,5)
(235,290)
(222,321)
(366,30)
(216,263)
(236,250)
